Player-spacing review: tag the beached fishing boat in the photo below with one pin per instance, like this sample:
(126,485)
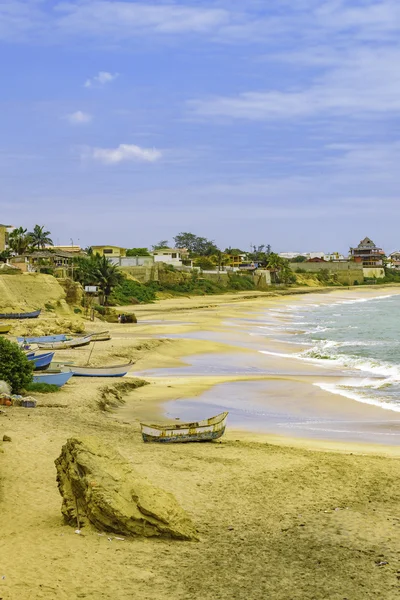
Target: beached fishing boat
(75,343)
(102,336)
(30,315)
(5,328)
(43,339)
(200,431)
(41,361)
(58,378)
(116,371)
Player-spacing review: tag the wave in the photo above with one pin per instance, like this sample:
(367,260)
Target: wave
(353,395)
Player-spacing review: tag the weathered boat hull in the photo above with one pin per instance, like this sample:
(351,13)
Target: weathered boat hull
(58,379)
(31,315)
(41,361)
(201,431)
(117,371)
(77,342)
(44,339)
(5,328)
(103,336)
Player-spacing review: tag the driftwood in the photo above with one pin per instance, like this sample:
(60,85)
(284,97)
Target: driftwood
(100,487)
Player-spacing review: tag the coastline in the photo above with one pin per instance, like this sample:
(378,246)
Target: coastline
(324,512)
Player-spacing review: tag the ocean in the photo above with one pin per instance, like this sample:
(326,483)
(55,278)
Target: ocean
(359,337)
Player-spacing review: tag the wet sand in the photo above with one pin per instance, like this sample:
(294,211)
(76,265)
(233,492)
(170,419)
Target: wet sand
(280,515)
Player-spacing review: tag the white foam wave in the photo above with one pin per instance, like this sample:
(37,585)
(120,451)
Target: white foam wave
(353,395)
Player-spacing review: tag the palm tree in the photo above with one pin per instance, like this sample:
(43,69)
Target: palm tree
(19,240)
(107,276)
(39,238)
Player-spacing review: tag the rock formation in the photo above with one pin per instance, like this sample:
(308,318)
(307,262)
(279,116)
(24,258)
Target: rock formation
(100,487)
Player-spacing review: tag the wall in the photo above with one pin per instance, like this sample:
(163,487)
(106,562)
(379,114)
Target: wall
(168,260)
(262,278)
(347,272)
(142,274)
(132,261)
(376,272)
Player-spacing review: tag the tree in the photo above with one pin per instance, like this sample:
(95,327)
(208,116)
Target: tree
(137,252)
(204,263)
(15,368)
(108,276)
(197,246)
(40,238)
(4,256)
(299,259)
(161,245)
(98,270)
(19,240)
(234,251)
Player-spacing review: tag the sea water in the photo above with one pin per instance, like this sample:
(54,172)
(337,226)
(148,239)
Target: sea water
(357,336)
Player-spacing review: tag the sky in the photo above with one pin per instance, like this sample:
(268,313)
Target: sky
(243,121)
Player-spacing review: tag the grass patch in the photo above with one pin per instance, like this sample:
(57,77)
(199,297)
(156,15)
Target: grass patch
(42,388)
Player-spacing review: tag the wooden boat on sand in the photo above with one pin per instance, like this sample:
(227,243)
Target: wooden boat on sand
(102,336)
(5,328)
(30,315)
(41,361)
(200,431)
(75,343)
(116,371)
(43,339)
(58,378)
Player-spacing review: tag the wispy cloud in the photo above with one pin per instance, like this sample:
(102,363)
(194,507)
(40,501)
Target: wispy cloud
(79,118)
(100,79)
(362,82)
(123,153)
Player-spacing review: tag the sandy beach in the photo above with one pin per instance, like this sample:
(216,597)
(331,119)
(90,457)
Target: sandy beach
(298,500)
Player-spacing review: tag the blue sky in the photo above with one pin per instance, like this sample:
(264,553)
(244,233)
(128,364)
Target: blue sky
(242,121)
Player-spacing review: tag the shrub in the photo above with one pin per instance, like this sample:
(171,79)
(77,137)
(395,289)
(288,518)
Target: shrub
(15,368)
(49,306)
(77,311)
(132,292)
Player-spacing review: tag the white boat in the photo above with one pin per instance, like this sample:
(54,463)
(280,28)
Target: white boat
(116,371)
(75,343)
(200,431)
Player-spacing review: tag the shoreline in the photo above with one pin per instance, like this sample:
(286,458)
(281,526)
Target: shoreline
(306,507)
(193,382)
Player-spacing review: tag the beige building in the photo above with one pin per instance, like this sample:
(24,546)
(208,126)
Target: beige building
(109,251)
(5,230)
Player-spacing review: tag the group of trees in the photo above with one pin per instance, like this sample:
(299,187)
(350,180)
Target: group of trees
(22,241)
(99,271)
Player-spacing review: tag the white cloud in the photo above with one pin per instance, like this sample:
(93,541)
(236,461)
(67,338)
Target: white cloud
(124,152)
(362,82)
(79,118)
(100,79)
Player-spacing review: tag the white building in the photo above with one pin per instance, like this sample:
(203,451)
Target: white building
(172,256)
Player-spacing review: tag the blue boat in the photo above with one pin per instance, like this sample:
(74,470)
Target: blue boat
(42,361)
(58,378)
(31,315)
(43,339)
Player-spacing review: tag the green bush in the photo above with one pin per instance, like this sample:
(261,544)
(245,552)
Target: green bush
(15,368)
(241,282)
(132,292)
(41,388)
(77,311)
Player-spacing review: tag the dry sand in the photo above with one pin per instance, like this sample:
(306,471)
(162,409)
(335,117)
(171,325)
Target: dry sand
(278,517)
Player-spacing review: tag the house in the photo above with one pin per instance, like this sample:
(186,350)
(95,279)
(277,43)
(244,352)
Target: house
(394,260)
(235,260)
(177,257)
(368,254)
(109,251)
(335,257)
(5,231)
(316,259)
(55,262)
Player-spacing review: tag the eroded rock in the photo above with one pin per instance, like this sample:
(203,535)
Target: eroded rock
(100,487)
